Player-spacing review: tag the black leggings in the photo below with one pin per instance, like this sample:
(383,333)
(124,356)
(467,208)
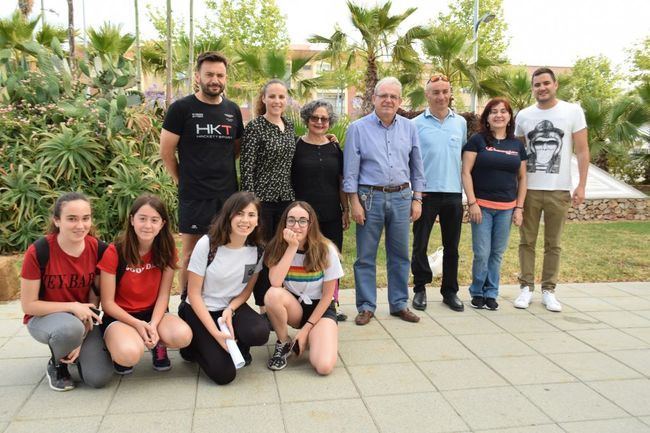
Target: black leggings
(250,330)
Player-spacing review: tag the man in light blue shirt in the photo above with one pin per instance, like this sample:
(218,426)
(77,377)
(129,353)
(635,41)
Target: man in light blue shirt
(384,178)
(442,134)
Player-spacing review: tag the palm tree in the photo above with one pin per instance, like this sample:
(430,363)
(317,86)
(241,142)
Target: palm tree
(168,63)
(380,42)
(449,50)
(614,127)
(513,84)
(254,66)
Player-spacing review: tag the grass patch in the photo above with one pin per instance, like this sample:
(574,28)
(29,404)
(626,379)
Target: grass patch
(591,251)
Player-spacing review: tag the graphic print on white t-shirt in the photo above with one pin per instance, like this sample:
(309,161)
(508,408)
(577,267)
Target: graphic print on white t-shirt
(545,148)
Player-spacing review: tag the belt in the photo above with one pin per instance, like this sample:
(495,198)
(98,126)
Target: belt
(395,188)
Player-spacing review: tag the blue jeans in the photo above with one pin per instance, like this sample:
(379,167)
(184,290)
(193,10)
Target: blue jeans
(390,210)
(489,242)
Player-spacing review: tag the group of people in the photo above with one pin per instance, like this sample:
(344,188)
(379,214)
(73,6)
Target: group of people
(280,237)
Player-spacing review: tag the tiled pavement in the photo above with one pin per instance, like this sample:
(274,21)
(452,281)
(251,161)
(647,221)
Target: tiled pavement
(586,369)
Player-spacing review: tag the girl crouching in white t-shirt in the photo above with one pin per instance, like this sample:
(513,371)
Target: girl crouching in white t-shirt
(222,272)
(303,269)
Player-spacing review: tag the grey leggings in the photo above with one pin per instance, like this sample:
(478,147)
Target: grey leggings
(63,332)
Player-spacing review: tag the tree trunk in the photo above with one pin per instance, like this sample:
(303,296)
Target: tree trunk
(138,53)
(190,65)
(71,33)
(168,80)
(371,82)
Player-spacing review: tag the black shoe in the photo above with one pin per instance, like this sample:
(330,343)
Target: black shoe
(478,302)
(491,304)
(246,354)
(453,302)
(59,377)
(159,359)
(420,300)
(122,370)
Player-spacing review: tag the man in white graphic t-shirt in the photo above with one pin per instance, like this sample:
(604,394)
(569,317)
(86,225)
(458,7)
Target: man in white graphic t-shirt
(553,130)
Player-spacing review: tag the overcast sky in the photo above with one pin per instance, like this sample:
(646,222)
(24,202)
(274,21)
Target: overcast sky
(545,32)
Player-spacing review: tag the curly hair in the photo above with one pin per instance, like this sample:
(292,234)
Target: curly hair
(308,109)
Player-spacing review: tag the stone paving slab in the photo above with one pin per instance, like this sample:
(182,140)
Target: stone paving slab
(586,369)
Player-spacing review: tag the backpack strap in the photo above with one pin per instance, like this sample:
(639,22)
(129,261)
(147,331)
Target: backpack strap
(121,268)
(101,249)
(211,254)
(42,248)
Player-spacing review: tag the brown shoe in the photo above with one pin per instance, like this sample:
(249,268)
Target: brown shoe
(406,315)
(363,317)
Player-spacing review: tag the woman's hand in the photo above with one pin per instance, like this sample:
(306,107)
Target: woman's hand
(301,338)
(518,217)
(345,219)
(148,333)
(226,315)
(221,339)
(83,312)
(71,357)
(290,237)
(475,214)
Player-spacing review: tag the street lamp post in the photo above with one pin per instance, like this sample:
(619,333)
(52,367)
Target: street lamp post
(485,18)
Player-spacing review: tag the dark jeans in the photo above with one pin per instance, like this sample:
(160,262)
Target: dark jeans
(250,330)
(449,207)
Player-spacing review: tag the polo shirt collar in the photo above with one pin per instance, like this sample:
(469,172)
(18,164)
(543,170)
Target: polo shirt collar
(378,121)
(427,113)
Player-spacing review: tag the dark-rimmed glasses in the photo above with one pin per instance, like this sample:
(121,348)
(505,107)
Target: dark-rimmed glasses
(302,222)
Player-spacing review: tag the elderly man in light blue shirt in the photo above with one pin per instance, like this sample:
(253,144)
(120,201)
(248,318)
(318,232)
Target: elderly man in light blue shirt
(383,176)
(442,134)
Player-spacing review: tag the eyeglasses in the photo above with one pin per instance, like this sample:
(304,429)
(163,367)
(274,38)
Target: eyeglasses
(302,222)
(388,96)
(317,119)
(436,78)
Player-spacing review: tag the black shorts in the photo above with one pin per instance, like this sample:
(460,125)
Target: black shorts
(195,216)
(140,315)
(307,309)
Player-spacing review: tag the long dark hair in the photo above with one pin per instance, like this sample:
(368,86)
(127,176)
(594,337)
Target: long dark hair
(220,229)
(58,205)
(316,245)
(260,107)
(485,127)
(163,250)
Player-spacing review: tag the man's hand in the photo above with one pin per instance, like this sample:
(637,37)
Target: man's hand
(416,210)
(578,196)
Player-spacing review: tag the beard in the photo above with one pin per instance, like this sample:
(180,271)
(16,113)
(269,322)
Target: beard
(206,90)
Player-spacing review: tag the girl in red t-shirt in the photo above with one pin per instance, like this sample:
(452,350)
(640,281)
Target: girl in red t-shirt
(58,302)
(136,305)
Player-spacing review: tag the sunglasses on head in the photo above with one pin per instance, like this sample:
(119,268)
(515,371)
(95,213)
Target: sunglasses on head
(436,78)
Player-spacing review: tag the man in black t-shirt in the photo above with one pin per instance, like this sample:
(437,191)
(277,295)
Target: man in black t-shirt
(206,129)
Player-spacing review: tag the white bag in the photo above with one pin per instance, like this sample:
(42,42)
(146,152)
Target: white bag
(435,262)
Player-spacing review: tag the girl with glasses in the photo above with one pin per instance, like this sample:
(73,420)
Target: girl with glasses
(304,267)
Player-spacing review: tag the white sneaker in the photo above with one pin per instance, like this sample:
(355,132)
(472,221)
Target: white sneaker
(551,302)
(524,298)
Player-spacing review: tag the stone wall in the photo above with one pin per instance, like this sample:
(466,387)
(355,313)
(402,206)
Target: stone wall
(612,209)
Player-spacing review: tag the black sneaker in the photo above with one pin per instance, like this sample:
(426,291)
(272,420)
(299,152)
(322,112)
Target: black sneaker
(478,302)
(59,377)
(160,359)
(491,304)
(122,370)
(279,359)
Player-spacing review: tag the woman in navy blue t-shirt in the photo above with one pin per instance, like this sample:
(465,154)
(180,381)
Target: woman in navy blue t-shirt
(494,179)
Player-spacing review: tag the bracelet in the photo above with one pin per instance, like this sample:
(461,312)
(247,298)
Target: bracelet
(519,207)
(229,308)
(471,204)
(312,325)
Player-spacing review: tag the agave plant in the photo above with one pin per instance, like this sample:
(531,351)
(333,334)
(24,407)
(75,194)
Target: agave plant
(23,192)
(71,155)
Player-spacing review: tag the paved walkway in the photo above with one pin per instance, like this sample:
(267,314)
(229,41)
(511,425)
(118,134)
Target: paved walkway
(584,370)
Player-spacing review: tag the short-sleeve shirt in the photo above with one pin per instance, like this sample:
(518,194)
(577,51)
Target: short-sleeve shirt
(495,171)
(266,156)
(67,278)
(441,144)
(305,284)
(549,143)
(206,148)
(315,175)
(138,288)
(228,273)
